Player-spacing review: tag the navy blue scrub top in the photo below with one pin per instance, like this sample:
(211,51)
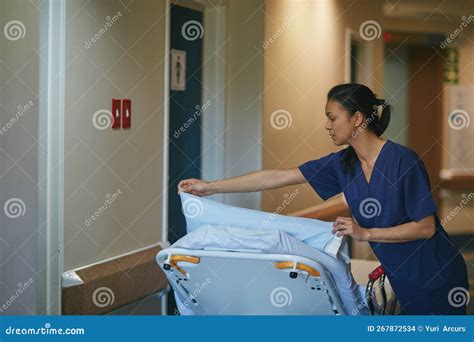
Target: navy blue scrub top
(398,192)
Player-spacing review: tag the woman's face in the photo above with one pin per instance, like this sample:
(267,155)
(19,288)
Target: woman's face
(340,124)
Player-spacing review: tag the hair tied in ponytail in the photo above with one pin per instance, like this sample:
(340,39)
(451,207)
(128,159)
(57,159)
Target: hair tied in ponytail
(379,107)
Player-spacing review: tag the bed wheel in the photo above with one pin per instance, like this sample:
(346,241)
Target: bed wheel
(166,267)
(293,275)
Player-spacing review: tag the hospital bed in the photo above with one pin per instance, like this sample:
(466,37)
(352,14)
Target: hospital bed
(265,269)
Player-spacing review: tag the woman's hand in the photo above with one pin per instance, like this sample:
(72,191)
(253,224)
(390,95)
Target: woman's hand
(348,226)
(196,187)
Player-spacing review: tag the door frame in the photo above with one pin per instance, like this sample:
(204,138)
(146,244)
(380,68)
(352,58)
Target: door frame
(213,79)
(51,169)
(366,50)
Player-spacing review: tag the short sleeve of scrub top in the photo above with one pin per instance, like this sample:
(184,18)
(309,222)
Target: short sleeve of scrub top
(321,174)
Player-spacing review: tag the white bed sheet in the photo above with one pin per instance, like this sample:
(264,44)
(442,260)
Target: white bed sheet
(199,211)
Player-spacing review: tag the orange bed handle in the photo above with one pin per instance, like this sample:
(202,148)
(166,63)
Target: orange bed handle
(174,259)
(288,264)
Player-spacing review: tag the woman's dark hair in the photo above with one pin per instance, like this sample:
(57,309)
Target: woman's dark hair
(358,97)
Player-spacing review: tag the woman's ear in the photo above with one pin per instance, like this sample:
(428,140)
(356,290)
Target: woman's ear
(358,118)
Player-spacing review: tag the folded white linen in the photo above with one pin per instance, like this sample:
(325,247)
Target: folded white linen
(200,211)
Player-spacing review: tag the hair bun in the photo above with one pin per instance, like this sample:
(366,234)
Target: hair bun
(379,108)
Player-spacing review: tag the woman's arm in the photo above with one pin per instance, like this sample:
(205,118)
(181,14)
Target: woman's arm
(329,210)
(259,180)
(415,230)
(249,182)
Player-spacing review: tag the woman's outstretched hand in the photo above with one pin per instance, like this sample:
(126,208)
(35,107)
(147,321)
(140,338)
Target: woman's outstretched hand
(196,187)
(348,226)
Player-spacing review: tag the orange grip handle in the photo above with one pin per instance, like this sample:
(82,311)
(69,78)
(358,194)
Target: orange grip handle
(174,259)
(302,267)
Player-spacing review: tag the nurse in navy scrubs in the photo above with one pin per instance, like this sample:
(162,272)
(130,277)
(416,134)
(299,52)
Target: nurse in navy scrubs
(387,188)
(388,191)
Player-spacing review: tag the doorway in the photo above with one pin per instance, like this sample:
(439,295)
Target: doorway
(185,99)
(414,87)
(425,108)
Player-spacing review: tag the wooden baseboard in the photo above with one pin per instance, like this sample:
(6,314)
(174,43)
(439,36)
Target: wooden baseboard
(106,286)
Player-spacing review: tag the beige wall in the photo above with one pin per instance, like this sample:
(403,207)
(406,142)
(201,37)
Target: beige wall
(305,60)
(244,82)
(19,157)
(101,162)
(126,61)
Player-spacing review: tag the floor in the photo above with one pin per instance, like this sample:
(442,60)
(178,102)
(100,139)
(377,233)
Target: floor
(151,305)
